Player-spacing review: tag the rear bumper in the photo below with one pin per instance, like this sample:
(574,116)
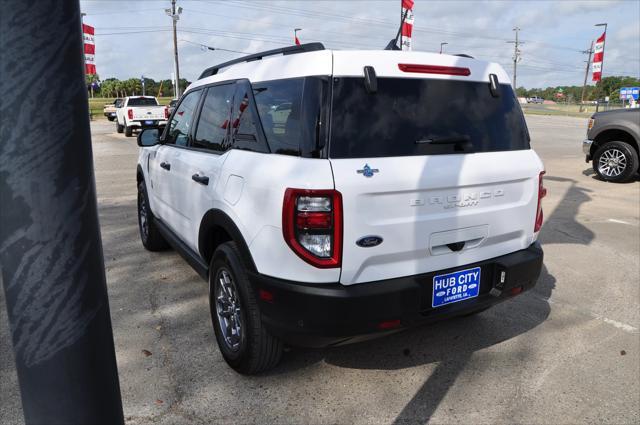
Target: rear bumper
(143,124)
(317,315)
(586,149)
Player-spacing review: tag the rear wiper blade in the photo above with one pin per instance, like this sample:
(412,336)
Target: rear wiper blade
(445,140)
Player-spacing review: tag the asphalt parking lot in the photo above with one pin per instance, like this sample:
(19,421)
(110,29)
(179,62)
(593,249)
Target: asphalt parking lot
(565,352)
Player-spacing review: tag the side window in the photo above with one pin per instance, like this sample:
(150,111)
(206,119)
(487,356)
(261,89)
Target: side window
(292,114)
(213,124)
(178,129)
(244,123)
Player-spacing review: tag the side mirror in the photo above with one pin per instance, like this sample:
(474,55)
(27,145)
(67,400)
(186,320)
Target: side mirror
(148,137)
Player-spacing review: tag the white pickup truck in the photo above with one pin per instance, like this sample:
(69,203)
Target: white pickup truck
(138,112)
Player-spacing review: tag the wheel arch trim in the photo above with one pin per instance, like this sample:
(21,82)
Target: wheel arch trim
(218,218)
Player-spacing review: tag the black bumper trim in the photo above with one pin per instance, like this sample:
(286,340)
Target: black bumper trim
(327,314)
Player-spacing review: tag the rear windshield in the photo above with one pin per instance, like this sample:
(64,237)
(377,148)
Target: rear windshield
(142,101)
(407,117)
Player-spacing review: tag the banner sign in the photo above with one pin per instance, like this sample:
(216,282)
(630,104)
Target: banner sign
(89,49)
(407,24)
(598,58)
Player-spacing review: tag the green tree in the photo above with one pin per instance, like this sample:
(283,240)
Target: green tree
(90,79)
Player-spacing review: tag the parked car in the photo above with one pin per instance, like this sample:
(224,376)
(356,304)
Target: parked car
(138,112)
(172,106)
(612,144)
(109,109)
(535,99)
(334,196)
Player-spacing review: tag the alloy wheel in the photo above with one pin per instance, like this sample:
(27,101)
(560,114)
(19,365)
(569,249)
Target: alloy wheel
(612,162)
(228,310)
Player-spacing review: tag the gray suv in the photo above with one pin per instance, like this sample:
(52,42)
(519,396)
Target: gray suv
(612,143)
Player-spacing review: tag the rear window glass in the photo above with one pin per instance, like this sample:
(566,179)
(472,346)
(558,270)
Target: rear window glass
(142,101)
(406,116)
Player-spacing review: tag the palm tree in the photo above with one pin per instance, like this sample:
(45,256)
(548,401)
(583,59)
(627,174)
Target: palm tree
(90,80)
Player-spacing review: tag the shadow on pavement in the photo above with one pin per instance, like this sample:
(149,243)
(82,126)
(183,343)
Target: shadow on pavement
(561,226)
(589,172)
(449,344)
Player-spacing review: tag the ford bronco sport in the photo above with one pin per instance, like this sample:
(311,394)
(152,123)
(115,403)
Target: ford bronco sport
(332,196)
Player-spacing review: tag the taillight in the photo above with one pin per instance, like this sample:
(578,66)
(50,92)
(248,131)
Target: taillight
(130,113)
(542,192)
(166,113)
(312,225)
(434,69)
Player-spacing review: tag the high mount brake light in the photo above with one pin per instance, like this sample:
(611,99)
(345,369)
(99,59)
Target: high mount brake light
(434,69)
(312,225)
(542,192)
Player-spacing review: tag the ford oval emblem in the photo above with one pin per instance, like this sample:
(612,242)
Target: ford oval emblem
(369,241)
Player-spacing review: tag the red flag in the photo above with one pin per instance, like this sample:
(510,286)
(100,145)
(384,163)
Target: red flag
(598,57)
(296,40)
(407,24)
(89,49)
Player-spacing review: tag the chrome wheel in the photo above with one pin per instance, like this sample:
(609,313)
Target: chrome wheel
(228,310)
(143,215)
(612,163)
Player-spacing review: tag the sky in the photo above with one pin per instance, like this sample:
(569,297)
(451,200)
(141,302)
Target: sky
(134,38)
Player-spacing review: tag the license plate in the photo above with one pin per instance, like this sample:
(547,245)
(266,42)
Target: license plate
(113,114)
(455,287)
(148,122)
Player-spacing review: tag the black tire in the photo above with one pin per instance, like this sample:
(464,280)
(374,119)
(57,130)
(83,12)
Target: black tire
(615,162)
(119,128)
(150,235)
(257,350)
(111,118)
(128,131)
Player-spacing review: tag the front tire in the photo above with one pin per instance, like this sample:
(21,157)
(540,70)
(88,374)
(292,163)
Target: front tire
(119,128)
(245,344)
(150,235)
(615,162)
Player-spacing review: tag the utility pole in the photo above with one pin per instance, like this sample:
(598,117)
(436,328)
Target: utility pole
(516,57)
(586,75)
(175,16)
(50,249)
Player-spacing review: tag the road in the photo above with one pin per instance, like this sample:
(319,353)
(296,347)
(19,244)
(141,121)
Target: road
(565,352)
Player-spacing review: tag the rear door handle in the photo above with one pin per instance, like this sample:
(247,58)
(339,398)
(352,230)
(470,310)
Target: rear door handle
(165,165)
(200,179)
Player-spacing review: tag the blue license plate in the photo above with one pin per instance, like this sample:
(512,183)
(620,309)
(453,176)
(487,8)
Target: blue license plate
(454,287)
(148,122)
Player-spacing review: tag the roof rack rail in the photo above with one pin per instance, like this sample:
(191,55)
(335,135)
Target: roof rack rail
(291,50)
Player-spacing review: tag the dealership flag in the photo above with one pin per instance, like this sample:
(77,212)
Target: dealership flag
(598,58)
(407,24)
(89,49)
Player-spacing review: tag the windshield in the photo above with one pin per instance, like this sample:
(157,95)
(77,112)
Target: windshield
(142,101)
(407,117)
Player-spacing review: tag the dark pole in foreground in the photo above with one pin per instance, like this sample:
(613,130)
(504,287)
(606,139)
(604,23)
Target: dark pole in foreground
(50,247)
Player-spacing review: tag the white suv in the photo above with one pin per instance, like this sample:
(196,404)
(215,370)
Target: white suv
(332,196)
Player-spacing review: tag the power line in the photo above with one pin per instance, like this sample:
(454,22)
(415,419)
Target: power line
(213,48)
